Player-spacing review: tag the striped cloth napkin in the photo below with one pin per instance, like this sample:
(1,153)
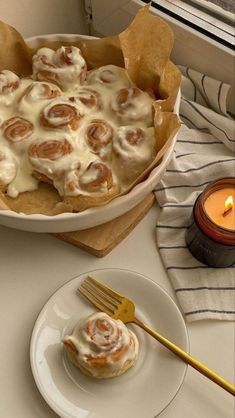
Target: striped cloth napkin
(204,152)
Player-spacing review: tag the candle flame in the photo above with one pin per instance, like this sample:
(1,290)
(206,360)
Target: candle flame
(228,205)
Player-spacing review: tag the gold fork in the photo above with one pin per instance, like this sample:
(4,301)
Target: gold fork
(119,307)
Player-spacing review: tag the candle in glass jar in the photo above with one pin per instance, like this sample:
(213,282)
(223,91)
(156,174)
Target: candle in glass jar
(211,234)
(216,209)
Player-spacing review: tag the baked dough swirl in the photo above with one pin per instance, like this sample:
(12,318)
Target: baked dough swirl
(9,82)
(60,113)
(50,150)
(65,66)
(132,105)
(96,177)
(133,149)
(89,99)
(40,91)
(17,129)
(99,135)
(102,347)
(108,76)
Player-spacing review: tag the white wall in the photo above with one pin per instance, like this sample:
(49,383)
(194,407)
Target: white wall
(35,17)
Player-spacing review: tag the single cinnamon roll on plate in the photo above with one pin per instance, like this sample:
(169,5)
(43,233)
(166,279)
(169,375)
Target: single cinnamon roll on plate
(17,129)
(102,347)
(99,135)
(60,113)
(133,106)
(65,66)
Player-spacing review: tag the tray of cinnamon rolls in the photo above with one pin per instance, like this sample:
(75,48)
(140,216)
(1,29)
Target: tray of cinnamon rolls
(79,144)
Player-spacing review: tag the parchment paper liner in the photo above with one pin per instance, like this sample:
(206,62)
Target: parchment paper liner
(144,50)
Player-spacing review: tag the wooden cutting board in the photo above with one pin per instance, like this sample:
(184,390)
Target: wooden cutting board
(101,239)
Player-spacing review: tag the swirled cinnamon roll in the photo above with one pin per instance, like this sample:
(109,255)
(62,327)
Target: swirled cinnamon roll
(89,99)
(65,66)
(109,76)
(132,106)
(133,149)
(99,135)
(91,187)
(60,113)
(9,82)
(9,87)
(97,177)
(40,91)
(102,347)
(50,159)
(8,168)
(50,150)
(17,129)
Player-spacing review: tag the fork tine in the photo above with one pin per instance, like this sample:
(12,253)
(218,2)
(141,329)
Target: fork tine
(100,295)
(105,289)
(95,302)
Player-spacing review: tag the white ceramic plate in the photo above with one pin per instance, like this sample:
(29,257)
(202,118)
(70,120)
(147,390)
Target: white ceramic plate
(143,391)
(94,216)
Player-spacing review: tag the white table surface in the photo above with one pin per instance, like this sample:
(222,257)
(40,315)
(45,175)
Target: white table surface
(34,266)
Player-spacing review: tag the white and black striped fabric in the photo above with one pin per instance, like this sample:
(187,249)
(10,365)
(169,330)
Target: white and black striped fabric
(204,152)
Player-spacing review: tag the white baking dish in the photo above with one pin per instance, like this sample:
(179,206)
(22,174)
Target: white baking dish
(95,216)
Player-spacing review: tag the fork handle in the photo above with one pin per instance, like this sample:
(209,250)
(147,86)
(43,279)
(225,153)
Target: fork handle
(196,364)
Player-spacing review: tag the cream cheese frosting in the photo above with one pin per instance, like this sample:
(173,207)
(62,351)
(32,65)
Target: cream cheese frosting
(102,346)
(45,130)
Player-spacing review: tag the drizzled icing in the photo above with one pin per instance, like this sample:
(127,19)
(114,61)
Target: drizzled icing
(109,77)
(132,105)
(85,116)
(9,82)
(66,66)
(100,342)
(8,168)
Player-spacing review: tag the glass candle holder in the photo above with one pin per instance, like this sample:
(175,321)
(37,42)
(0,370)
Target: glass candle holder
(211,238)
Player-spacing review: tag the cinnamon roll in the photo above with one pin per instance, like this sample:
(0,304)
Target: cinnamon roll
(17,129)
(133,149)
(97,177)
(89,99)
(9,82)
(99,135)
(8,168)
(60,113)
(132,105)
(50,150)
(40,91)
(91,187)
(51,159)
(65,66)
(109,76)
(102,347)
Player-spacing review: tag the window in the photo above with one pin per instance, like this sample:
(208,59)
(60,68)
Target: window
(205,16)
(203,40)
